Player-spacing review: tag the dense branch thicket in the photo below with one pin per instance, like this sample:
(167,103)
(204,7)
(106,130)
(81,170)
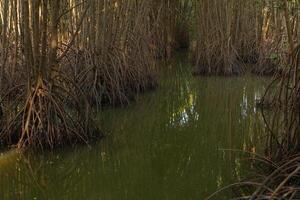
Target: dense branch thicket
(222,36)
(283,120)
(41,105)
(170,20)
(111,57)
(61,59)
(58,58)
(280,30)
(236,32)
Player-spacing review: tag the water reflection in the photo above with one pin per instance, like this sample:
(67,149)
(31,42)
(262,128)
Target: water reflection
(185,113)
(244,104)
(168,145)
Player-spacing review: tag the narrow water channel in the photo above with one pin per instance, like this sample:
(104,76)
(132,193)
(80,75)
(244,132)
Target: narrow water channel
(169,145)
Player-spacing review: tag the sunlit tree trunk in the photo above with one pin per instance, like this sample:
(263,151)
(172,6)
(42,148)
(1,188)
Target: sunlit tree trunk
(26,40)
(4,34)
(288,26)
(53,31)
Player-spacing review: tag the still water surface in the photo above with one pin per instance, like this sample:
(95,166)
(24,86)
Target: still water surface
(168,145)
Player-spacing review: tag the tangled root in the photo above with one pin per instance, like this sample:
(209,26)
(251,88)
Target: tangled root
(46,115)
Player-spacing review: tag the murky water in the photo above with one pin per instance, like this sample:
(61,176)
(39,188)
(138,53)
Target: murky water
(170,144)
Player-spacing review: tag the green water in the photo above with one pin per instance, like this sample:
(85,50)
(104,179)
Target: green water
(167,145)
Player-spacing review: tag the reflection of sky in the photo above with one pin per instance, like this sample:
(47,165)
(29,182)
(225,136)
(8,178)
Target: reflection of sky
(245,103)
(257,98)
(185,113)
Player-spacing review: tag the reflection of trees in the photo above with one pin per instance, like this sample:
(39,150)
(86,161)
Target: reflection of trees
(181,98)
(49,176)
(163,147)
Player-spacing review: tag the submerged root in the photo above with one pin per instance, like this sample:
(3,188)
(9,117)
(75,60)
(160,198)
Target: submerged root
(283,181)
(272,180)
